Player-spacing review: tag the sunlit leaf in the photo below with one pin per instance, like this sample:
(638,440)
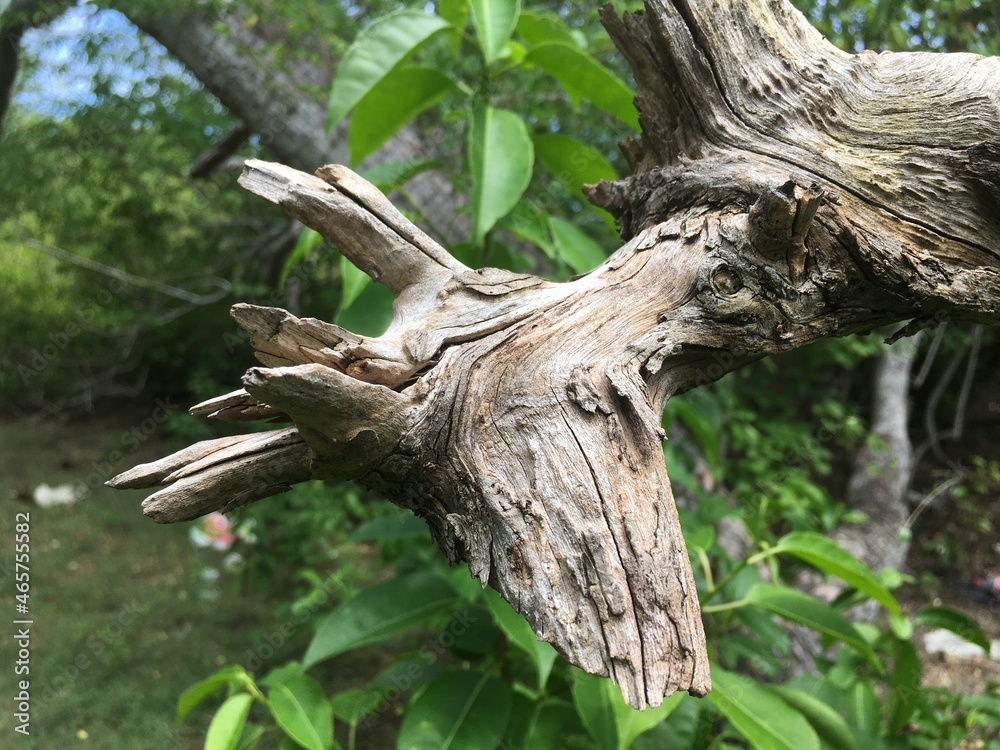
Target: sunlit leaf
(227,725)
(454,12)
(764,719)
(904,685)
(530,223)
(595,701)
(501,157)
(519,633)
(302,711)
(307,241)
(351,706)
(355,281)
(809,611)
(863,710)
(575,247)
(380,46)
(401,95)
(494,21)
(585,78)
(824,554)
(231,675)
(391,175)
(537,28)
(573,163)
(829,725)
(611,722)
(956,622)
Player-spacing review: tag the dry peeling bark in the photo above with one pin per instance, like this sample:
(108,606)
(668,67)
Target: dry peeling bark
(784,191)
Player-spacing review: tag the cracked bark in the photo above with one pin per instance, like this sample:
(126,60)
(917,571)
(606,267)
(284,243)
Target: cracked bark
(783,192)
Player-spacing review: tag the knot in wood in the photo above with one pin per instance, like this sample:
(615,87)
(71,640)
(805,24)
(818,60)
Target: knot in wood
(726,281)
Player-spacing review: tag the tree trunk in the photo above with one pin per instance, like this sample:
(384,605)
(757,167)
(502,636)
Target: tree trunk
(783,192)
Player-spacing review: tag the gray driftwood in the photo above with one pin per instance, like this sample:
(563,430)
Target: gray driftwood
(783,191)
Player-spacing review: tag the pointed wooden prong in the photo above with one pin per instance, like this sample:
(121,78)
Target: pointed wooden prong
(231,484)
(152,474)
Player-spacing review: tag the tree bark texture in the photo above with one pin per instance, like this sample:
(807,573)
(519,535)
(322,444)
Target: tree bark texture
(784,191)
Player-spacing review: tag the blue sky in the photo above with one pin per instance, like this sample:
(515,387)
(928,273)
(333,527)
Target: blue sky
(67,72)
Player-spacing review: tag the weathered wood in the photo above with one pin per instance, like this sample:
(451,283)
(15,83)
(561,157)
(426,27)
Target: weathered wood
(784,192)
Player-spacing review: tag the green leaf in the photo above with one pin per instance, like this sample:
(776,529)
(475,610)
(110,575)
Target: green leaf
(611,722)
(458,711)
(301,709)
(956,622)
(807,610)
(824,554)
(250,737)
(701,427)
(904,685)
(307,241)
(406,675)
(700,537)
(227,724)
(863,710)
(829,725)
(401,95)
(595,701)
(494,21)
(454,12)
(501,157)
(370,314)
(380,47)
(351,706)
(572,162)
(198,692)
(282,674)
(545,727)
(395,174)
(766,721)
(519,633)
(530,223)
(376,613)
(537,29)
(585,78)
(575,247)
(355,281)
(632,723)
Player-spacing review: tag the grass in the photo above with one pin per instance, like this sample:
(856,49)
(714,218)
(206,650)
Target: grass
(121,622)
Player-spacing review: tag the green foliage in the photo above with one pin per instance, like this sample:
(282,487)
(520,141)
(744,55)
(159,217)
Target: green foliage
(537,700)
(500,160)
(936,25)
(115,249)
(506,53)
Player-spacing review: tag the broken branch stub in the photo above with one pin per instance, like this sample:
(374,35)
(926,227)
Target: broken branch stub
(521,417)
